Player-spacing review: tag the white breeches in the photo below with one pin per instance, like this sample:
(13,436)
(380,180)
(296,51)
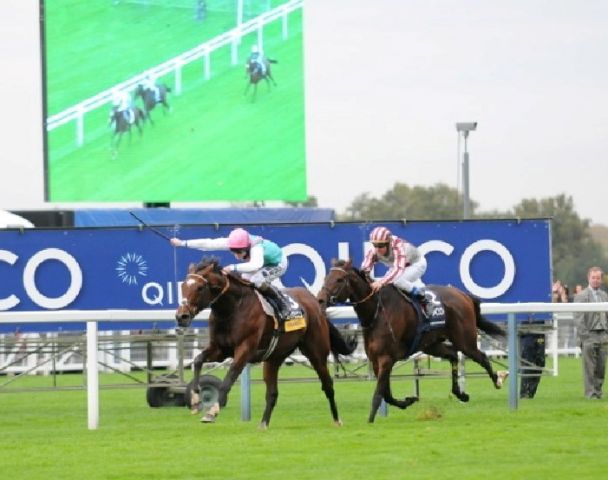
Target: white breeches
(411,276)
(266,275)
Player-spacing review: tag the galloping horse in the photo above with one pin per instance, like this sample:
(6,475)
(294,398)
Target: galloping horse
(391,328)
(149,98)
(121,125)
(255,74)
(241,328)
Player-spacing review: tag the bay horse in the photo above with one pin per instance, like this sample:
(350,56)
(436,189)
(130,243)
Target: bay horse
(122,125)
(255,74)
(149,99)
(391,330)
(239,327)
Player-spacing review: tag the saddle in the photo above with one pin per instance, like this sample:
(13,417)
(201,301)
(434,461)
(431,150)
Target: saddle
(430,312)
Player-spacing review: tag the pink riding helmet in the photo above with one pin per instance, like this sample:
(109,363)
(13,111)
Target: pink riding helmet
(380,235)
(239,238)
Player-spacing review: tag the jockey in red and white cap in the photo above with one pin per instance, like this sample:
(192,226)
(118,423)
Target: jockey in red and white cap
(406,263)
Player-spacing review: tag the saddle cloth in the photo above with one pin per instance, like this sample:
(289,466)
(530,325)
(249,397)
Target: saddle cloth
(295,320)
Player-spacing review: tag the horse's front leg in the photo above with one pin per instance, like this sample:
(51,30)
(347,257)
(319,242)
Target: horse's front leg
(383,388)
(210,354)
(241,357)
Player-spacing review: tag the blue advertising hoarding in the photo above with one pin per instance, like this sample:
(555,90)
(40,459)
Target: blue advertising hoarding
(134,268)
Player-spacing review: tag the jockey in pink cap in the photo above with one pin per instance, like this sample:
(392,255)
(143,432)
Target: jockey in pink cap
(262,261)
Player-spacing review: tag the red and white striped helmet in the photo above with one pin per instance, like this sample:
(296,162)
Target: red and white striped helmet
(380,235)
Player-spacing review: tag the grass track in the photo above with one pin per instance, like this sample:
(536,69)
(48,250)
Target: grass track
(216,144)
(558,435)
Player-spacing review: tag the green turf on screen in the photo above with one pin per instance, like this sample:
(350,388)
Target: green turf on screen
(215,145)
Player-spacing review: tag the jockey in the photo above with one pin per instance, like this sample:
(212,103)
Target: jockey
(406,263)
(257,57)
(262,261)
(122,103)
(150,83)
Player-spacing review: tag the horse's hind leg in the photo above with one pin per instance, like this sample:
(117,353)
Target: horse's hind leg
(271,374)
(449,353)
(327,384)
(483,360)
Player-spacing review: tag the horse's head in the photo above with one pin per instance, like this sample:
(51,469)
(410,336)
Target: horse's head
(337,286)
(204,284)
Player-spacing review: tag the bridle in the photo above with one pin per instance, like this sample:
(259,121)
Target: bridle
(332,298)
(205,283)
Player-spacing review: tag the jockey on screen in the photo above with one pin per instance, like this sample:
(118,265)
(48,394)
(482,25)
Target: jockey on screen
(122,103)
(151,84)
(257,57)
(262,260)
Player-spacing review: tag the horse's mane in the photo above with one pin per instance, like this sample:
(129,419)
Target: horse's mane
(347,265)
(211,260)
(208,260)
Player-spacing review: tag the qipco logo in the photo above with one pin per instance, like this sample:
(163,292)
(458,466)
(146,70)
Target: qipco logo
(29,279)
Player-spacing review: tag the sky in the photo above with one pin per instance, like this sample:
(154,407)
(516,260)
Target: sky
(388,87)
(386,82)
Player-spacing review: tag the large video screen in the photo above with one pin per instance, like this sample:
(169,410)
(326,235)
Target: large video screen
(220,137)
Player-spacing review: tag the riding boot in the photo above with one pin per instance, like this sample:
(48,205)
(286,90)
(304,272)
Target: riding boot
(276,300)
(419,294)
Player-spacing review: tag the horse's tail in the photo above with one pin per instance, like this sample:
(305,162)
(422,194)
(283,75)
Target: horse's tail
(485,325)
(339,344)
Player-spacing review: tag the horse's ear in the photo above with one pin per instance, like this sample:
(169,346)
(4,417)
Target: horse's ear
(334,262)
(192,268)
(348,263)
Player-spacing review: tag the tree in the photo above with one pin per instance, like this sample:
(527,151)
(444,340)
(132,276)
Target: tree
(573,248)
(311,201)
(438,202)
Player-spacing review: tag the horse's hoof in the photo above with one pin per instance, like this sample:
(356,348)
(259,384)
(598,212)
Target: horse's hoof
(195,409)
(463,397)
(208,418)
(338,423)
(263,426)
(410,400)
(501,376)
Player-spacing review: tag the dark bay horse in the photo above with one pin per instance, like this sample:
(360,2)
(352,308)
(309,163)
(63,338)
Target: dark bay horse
(390,329)
(240,328)
(122,125)
(149,98)
(255,74)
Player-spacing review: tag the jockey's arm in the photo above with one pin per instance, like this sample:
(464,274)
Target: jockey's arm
(255,263)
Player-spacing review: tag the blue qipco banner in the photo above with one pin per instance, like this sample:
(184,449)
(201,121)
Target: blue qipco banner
(132,268)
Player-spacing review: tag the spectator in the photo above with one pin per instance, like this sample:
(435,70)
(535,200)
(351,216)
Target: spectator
(560,293)
(593,335)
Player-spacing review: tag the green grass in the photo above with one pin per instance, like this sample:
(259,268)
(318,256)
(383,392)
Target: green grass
(215,145)
(558,434)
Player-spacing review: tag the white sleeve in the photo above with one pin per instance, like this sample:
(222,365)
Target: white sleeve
(256,260)
(207,243)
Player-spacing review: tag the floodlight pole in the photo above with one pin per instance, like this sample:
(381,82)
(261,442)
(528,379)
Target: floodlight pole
(466,214)
(465,128)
